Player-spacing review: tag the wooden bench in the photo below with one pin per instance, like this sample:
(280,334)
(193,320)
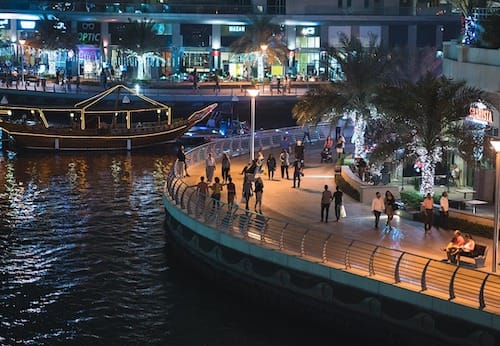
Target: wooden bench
(478,254)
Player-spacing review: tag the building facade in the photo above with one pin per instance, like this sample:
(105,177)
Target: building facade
(199,37)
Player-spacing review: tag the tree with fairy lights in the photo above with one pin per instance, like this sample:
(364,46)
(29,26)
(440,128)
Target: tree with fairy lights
(363,67)
(142,43)
(469,24)
(424,113)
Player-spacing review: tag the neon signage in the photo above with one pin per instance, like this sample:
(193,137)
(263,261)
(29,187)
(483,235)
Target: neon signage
(480,113)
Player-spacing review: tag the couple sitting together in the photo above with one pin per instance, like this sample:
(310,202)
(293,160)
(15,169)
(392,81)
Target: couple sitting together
(459,244)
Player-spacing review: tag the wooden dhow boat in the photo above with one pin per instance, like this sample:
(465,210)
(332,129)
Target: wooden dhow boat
(116,119)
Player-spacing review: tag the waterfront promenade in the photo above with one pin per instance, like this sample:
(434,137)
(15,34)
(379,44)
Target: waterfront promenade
(302,206)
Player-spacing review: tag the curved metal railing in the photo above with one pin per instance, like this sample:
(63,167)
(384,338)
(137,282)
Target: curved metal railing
(465,286)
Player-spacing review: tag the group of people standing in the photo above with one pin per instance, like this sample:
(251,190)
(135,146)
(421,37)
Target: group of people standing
(428,206)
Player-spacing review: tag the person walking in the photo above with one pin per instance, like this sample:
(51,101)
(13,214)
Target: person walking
(216,191)
(247,190)
(259,191)
(217,84)
(210,167)
(181,161)
(260,162)
(326,200)
(225,166)
(337,197)
(390,206)
(444,209)
(307,134)
(428,205)
(231,191)
(297,173)
(378,207)
(202,192)
(285,163)
(271,166)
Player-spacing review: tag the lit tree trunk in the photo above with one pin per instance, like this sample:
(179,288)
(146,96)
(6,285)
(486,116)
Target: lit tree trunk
(141,65)
(428,170)
(358,137)
(260,67)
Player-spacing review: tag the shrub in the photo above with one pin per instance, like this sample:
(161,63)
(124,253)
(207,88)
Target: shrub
(411,199)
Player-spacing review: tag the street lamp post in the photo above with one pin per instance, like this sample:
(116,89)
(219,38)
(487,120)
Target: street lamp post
(253,94)
(496,145)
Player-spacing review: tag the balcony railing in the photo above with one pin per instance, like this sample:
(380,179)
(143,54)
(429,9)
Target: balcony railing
(112,8)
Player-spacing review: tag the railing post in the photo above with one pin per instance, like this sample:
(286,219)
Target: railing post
(302,243)
(347,261)
(371,271)
(323,257)
(452,283)
(397,277)
(423,279)
(282,237)
(482,304)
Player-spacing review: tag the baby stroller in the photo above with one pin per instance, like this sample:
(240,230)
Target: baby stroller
(326,156)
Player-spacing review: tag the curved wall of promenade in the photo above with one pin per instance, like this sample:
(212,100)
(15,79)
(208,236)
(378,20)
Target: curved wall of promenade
(398,292)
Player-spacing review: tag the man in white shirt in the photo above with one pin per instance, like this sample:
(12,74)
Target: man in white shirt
(210,167)
(378,207)
(444,203)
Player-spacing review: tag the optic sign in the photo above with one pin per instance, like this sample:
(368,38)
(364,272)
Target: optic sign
(480,113)
(89,32)
(4,24)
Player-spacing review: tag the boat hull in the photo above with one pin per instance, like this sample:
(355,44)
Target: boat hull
(24,138)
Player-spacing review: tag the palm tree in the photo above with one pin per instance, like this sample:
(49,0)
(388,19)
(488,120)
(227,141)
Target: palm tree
(363,68)
(262,40)
(52,34)
(424,114)
(141,42)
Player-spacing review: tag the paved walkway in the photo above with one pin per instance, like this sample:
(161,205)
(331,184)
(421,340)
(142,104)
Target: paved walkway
(302,206)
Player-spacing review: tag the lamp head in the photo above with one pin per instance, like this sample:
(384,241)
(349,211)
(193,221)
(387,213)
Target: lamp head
(253,92)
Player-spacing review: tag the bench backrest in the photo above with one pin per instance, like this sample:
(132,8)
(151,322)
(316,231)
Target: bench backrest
(479,250)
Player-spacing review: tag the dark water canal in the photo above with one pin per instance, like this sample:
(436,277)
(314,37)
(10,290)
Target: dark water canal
(84,261)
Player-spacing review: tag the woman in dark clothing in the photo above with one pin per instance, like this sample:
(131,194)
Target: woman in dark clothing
(271,166)
(337,198)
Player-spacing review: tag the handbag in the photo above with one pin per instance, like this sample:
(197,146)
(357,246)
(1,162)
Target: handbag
(342,211)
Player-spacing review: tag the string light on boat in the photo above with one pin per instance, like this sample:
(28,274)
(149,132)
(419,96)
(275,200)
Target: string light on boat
(158,111)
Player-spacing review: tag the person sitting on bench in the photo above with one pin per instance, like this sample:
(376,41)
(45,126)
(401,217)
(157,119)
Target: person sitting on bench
(467,247)
(454,246)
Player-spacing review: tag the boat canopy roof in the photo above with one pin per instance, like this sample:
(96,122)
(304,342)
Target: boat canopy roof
(119,98)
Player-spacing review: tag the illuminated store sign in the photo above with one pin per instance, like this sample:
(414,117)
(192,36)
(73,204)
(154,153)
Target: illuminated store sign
(308,31)
(27,24)
(479,112)
(236,28)
(4,24)
(89,32)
